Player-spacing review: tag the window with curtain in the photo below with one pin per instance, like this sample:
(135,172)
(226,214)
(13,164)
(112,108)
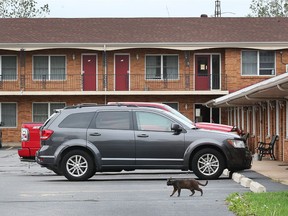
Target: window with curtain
(8,114)
(49,67)
(41,111)
(258,63)
(162,67)
(8,67)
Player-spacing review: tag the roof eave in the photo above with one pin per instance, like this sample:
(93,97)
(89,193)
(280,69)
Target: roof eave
(246,93)
(161,45)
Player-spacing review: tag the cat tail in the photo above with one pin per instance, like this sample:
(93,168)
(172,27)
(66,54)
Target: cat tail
(202,183)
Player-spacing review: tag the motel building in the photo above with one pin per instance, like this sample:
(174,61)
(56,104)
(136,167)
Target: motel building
(212,69)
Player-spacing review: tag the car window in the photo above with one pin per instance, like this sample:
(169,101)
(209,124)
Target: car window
(152,121)
(77,120)
(113,120)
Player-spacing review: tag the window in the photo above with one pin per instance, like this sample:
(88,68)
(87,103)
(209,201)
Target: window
(258,63)
(152,122)
(113,120)
(8,114)
(41,111)
(162,67)
(77,120)
(173,105)
(8,68)
(49,67)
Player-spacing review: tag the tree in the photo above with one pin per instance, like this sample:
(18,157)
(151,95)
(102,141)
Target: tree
(269,8)
(22,9)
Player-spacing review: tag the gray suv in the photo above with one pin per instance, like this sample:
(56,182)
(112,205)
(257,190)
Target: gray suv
(81,140)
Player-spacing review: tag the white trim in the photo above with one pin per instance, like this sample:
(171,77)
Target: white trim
(261,124)
(248,122)
(268,119)
(175,46)
(235,116)
(266,84)
(230,116)
(84,93)
(286,133)
(238,117)
(277,119)
(242,118)
(254,113)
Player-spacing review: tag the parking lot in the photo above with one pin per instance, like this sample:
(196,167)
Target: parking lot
(28,189)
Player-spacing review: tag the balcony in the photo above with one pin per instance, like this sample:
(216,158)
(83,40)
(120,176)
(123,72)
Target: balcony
(109,83)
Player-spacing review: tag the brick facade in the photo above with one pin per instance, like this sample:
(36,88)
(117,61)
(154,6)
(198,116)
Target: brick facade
(181,91)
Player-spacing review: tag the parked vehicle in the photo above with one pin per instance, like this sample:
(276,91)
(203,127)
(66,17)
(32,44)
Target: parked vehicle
(205,125)
(30,141)
(81,140)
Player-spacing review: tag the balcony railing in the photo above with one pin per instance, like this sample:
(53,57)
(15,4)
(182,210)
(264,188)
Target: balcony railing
(111,82)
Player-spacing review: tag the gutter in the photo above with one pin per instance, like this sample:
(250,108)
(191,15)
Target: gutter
(245,92)
(160,45)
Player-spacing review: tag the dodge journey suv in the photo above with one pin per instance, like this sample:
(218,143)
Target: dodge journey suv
(81,140)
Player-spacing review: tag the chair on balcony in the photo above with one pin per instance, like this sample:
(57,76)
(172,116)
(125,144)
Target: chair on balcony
(267,148)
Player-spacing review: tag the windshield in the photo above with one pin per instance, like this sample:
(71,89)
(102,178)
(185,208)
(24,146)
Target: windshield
(180,118)
(179,115)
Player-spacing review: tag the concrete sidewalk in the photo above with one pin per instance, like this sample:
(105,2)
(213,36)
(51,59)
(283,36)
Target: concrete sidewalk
(276,170)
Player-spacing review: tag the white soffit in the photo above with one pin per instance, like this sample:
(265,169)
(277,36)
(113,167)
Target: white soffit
(273,88)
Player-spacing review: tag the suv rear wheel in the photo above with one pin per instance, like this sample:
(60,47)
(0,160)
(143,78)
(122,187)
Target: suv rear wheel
(208,164)
(77,165)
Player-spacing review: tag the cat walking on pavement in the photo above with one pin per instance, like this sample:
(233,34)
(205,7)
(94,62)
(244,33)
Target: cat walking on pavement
(190,184)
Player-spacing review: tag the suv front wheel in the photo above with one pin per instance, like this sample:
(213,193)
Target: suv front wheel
(208,164)
(77,165)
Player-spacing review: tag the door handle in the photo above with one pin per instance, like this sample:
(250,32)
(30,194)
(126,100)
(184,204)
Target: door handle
(142,135)
(95,134)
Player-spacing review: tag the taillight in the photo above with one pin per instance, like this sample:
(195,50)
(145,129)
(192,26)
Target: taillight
(46,134)
(24,134)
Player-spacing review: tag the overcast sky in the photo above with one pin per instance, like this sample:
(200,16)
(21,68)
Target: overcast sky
(144,8)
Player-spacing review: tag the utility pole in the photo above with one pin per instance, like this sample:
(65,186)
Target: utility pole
(217,9)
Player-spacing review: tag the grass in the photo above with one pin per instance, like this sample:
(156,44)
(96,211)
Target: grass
(262,204)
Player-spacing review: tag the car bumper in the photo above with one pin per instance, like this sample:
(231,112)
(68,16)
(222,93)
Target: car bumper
(239,159)
(44,159)
(27,152)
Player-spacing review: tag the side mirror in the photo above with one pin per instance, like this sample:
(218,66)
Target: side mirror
(176,127)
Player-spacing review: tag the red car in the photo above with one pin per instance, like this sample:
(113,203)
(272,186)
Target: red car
(204,125)
(30,141)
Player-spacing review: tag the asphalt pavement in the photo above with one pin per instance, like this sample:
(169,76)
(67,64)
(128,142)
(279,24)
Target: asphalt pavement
(28,189)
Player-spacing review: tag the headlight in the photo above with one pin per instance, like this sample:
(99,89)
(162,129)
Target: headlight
(237,143)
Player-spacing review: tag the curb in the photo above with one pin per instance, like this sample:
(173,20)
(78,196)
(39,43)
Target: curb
(246,182)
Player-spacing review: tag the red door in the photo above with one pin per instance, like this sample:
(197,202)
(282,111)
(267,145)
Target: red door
(202,72)
(122,72)
(89,72)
